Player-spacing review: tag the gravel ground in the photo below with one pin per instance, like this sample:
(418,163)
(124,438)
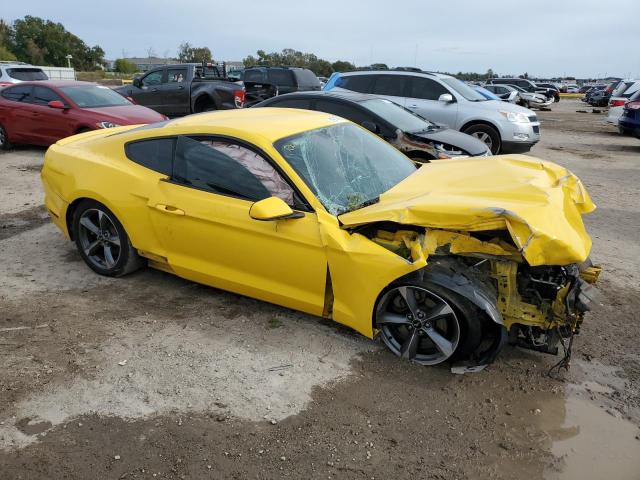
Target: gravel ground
(150,376)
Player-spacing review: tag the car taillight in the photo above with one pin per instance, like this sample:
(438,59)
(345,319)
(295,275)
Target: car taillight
(617,103)
(633,105)
(239,96)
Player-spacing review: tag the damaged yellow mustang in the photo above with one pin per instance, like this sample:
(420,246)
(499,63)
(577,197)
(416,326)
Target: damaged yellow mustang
(306,210)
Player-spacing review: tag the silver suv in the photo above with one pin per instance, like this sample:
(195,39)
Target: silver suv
(16,72)
(443,99)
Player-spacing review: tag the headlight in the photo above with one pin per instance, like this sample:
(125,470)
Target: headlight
(107,125)
(515,117)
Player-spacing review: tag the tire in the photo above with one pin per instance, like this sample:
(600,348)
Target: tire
(205,105)
(455,321)
(486,134)
(102,241)
(4,139)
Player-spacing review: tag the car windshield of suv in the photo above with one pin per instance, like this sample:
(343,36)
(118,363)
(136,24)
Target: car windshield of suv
(463,89)
(27,74)
(397,116)
(345,166)
(94,96)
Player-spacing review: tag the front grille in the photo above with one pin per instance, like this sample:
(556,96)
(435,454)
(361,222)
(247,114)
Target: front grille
(536,129)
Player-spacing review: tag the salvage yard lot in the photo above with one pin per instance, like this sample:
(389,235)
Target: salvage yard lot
(150,376)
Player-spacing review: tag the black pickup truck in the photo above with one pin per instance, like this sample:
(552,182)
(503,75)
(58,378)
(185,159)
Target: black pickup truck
(190,88)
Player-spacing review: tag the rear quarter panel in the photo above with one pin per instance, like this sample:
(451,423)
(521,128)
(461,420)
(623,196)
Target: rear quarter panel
(99,170)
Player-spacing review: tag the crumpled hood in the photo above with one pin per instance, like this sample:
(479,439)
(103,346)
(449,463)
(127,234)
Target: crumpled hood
(540,203)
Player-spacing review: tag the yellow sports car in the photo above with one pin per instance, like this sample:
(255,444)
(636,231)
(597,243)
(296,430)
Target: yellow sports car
(312,212)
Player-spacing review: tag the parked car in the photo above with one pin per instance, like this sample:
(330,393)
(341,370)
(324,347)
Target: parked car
(16,72)
(551,88)
(592,91)
(43,112)
(175,90)
(619,98)
(414,136)
(532,100)
(443,99)
(309,211)
(525,84)
(629,121)
(484,92)
(506,93)
(585,88)
(572,88)
(287,79)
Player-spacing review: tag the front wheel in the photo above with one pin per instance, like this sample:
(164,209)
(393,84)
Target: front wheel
(426,324)
(486,134)
(4,139)
(102,241)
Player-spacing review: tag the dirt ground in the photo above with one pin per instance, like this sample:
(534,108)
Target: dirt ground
(150,376)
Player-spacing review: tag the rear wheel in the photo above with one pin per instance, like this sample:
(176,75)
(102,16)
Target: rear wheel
(4,139)
(102,241)
(427,324)
(486,134)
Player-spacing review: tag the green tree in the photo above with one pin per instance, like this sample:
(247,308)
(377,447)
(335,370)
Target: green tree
(290,58)
(342,66)
(5,54)
(45,42)
(190,54)
(124,66)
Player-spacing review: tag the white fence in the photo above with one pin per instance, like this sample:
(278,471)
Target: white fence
(59,73)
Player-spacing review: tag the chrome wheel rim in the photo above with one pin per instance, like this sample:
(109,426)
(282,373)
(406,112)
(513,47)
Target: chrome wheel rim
(418,325)
(99,238)
(484,137)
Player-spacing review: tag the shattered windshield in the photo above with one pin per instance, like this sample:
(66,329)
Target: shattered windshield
(345,166)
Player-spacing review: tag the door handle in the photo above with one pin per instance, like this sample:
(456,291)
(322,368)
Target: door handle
(154,89)
(180,87)
(169,209)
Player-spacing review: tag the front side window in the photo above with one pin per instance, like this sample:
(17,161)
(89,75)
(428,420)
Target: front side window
(42,95)
(228,169)
(425,88)
(345,166)
(155,154)
(94,96)
(154,78)
(17,94)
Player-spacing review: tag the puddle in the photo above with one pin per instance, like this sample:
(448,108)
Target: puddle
(591,442)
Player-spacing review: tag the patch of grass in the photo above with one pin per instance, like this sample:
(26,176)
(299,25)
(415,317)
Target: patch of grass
(274,323)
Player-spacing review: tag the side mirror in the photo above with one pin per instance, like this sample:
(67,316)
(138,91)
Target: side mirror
(371,126)
(137,82)
(446,98)
(56,104)
(272,208)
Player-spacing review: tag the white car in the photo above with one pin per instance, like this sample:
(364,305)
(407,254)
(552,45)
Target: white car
(443,99)
(616,104)
(16,72)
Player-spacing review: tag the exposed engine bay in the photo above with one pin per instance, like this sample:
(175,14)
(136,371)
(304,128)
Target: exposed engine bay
(539,307)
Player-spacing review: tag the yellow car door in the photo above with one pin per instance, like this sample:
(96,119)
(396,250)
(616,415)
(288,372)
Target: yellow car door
(202,216)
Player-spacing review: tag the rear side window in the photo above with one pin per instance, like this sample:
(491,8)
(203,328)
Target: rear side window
(43,95)
(155,154)
(291,103)
(393,85)
(176,75)
(281,78)
(27,74)
(17,94)
(306,78)
(425,88)
(356,83)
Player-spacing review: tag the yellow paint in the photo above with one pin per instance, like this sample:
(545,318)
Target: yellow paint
(212,239)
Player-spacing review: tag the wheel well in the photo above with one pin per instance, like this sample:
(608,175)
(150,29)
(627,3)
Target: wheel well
(480,122)
(202,101)
(69,215)
(82,130)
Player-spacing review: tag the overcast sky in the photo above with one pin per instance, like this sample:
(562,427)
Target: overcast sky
(542,37)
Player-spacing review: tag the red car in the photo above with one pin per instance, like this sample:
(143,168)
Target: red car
(43,112)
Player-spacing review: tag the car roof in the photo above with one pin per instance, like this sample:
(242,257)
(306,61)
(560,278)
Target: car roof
(56,83)
(343,95)
(270,123)
(405,72)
